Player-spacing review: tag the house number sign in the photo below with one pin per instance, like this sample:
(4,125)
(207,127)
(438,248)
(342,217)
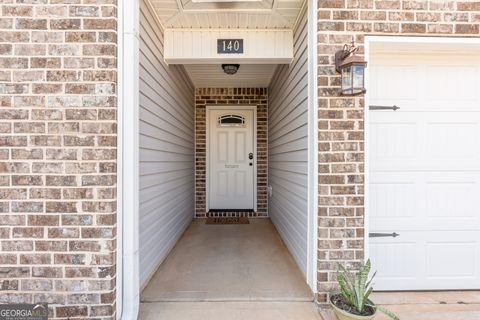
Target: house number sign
(229,45)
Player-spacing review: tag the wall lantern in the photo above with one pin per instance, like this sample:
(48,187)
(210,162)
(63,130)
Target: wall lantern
(352,69)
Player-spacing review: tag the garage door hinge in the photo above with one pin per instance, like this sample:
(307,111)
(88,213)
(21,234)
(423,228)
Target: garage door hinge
(394,108)
(379,235)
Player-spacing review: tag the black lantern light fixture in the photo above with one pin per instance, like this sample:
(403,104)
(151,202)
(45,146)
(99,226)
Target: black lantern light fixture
(230,68)
(352,69)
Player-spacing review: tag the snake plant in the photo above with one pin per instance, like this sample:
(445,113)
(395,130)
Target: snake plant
(356,289)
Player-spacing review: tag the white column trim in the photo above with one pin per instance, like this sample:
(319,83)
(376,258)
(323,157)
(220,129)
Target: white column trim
(312,147)
(128,293)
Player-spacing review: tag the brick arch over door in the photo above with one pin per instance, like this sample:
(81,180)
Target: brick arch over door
(230,97)
(341,119)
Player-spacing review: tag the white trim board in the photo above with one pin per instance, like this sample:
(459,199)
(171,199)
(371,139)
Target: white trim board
(312,250)
(128,277)
(407,45)
(199,46)
(207,150)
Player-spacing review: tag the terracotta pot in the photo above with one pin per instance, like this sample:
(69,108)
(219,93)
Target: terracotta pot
(344,315)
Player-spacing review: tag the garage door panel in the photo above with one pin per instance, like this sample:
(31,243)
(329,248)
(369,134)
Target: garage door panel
(427,260)
(451,260)
(424,171)
(424,200)
(429,82)
(452,199)
(393,259)
(389,200)
(443,85)
(419,141)
(393,141)
(394,90)
(451,140)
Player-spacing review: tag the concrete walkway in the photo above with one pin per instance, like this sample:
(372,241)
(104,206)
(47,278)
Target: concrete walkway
(229,311)
(229,272)
(444,305)
(244,262)
(454,305)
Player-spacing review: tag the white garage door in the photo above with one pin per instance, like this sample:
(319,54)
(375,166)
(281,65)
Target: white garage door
(424,171)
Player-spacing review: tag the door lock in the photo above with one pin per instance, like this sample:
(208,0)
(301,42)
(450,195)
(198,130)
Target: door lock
(250,155)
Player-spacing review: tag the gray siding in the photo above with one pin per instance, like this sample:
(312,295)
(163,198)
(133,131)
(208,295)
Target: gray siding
(166,148)
(287,148)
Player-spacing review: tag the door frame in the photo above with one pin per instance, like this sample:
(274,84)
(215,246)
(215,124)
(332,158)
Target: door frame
(209,108)
(410,40)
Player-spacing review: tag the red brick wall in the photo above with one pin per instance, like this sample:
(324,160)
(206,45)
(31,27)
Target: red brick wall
(57,155)
(230,96)
(341,119)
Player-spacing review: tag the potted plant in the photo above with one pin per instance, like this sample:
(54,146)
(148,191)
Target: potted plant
(352,301)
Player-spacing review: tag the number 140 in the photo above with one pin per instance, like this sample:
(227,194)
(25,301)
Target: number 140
(231,45)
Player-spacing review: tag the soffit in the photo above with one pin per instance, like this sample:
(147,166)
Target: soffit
(245,14)
(248,76)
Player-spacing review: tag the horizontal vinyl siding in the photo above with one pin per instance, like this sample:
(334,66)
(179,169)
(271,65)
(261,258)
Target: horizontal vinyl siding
(166,148)
(288,146)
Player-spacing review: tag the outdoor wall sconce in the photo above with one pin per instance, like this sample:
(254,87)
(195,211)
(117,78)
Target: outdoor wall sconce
(352,69)
(230,68)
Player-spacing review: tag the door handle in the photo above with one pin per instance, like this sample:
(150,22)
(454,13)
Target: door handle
(250,155)
(381,235)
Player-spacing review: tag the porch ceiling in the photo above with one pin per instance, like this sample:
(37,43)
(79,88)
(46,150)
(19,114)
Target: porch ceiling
(248,76)
(228,14)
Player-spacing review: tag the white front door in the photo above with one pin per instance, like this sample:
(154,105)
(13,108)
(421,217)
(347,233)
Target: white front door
(231,159)
(425,171)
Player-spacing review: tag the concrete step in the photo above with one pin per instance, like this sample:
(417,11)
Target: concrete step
(229,311)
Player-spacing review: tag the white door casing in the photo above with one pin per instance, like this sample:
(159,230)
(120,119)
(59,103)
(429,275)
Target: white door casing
(230,170)
(424,171)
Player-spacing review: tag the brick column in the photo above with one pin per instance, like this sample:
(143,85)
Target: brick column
(58,155)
